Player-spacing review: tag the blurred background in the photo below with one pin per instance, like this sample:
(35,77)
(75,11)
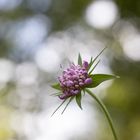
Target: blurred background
(38,37)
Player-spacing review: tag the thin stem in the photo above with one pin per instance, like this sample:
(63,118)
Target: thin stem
(105,111)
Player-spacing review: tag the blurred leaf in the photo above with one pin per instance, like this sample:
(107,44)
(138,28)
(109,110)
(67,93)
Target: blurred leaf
(70,10)
(129,8)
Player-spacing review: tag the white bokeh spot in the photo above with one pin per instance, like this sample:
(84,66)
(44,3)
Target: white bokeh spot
(26,73)
(47,59)
(6,70)
(101,14)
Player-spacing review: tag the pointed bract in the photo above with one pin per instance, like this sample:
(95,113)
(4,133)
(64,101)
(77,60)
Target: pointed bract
(67,104)
(93,60)
(79,60)
(78,100)
(56,94)
(56,86)
(94,67)
(58,107)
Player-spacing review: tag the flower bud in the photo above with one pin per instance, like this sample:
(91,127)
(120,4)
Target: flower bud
(88,81)
(85,64)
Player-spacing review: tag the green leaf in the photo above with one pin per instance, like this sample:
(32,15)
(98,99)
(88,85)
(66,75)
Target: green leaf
(79,60)
(56,86)
(78,100)
(99,78)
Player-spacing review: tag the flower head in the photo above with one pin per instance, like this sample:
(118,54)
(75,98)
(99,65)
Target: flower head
(77,78)
(74,79)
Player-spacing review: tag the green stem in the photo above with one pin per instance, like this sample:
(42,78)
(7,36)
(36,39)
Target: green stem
(105,111)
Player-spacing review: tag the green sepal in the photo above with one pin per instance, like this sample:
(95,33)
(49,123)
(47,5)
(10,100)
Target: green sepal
(78,99)
(99,78)
(56,86)
(79,60)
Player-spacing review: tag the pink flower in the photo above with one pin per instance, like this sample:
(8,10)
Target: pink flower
(74,79)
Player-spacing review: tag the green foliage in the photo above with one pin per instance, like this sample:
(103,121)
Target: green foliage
(56,86)
(129,8)
(99,78)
